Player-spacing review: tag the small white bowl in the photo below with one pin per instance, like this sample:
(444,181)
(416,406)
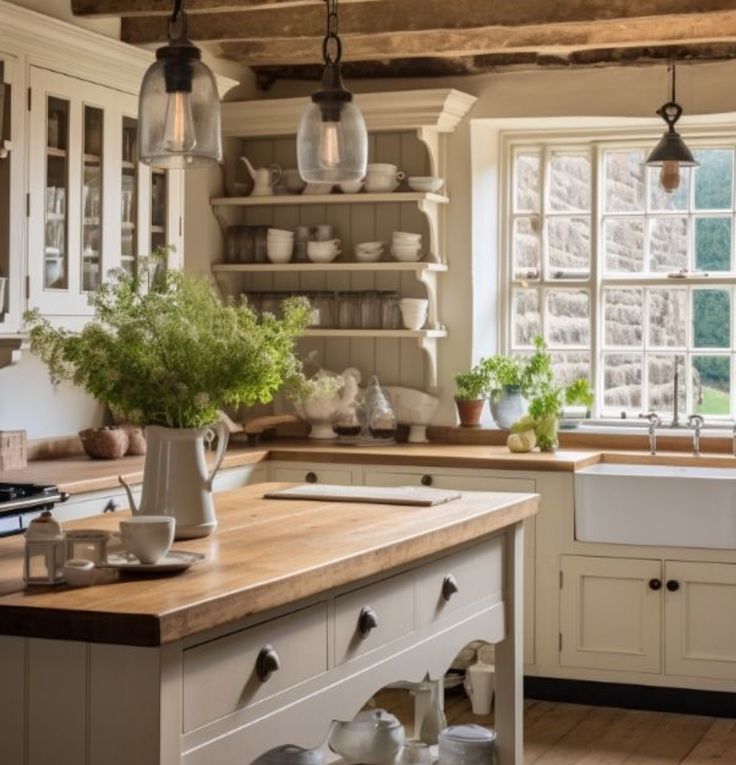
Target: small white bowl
(414,304)
(78,572)
(279,255)
(413,321)
(428,184)
(281,232)
(407,254)
(318,188)
(354,187)
(368,256)
(406,236)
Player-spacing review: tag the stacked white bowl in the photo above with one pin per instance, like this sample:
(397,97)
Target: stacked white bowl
(279,245)
(413,312)
(369,252)
(428,184)
(406,246)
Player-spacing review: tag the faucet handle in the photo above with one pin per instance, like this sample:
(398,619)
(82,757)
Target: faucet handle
(654,419)
(696,421)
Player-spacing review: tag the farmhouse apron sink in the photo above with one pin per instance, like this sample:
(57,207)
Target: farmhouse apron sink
(660,505)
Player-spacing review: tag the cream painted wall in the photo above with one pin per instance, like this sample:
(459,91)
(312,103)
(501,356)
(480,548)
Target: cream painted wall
(615,92)
(61,9)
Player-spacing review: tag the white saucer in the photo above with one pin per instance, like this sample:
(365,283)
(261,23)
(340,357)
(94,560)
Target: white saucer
(173,561)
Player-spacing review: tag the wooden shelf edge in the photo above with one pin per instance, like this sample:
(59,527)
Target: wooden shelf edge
(306,267)
(322,199)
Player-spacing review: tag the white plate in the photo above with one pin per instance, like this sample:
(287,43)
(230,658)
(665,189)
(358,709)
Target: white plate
(174,560)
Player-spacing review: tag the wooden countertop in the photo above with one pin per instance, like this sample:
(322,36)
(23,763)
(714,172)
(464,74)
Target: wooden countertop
(77,475)
(265,554)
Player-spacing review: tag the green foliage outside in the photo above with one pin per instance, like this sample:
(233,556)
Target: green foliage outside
(164,349)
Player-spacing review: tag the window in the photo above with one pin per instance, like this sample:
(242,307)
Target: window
(627,284)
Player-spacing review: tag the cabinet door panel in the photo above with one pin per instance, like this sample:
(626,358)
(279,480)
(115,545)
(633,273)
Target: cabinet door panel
(610,617)
(700,620)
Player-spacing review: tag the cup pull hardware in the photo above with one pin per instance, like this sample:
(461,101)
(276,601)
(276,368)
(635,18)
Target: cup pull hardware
(367,621)
(655,584)
(267,663)
(427,480)
(449,587)
(673,585)
(311,477)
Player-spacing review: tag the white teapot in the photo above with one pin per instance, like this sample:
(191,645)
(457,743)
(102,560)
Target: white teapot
(374,737)
(264,178)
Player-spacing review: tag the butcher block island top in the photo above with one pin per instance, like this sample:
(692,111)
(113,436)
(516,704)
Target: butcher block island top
(265,554)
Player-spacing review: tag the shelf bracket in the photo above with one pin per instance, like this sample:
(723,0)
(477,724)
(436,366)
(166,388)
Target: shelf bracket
(432,213)
(429,280)
(429,346)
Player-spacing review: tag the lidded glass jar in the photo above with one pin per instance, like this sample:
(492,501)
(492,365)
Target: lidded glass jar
(291,755)
(467,745)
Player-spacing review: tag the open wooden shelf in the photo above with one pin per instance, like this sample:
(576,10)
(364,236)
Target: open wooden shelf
(322,199)
(322,267)
(376,334)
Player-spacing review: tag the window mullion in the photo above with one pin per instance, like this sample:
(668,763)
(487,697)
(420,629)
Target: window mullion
(596,295)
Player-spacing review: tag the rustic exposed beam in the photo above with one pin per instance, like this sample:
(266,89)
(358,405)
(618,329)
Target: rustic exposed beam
(370,17)
(469,65)
(547,38)
(136,8)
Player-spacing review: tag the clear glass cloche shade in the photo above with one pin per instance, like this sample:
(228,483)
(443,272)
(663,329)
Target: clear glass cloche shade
(179,128)
(332,150)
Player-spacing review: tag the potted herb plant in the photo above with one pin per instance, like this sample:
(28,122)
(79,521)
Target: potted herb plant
(470,395)
(547,401)
(507,378)
(166,352)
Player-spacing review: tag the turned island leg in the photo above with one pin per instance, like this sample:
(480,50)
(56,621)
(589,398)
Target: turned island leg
(510,655)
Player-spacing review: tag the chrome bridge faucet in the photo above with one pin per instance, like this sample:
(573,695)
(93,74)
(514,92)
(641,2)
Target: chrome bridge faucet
(695,421)
(654,422)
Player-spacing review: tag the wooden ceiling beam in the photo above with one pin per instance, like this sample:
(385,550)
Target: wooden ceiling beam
(470,65)
(138,8)
(375,17)
(547,38)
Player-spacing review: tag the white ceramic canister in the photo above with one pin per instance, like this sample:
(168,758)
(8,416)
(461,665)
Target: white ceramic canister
(467,745)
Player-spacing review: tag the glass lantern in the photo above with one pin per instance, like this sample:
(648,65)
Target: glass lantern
(45,552)
(332,141)
(179,107)
(87,544)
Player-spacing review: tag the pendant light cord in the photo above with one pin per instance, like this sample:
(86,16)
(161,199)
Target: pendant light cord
(673,69)
(332,37)
(178,21)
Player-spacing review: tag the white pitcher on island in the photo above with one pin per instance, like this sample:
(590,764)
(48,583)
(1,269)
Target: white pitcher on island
(175,478)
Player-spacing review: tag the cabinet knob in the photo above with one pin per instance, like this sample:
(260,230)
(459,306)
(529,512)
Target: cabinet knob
(311,477)
(449,586)
(110,507)
(267,663)
(655,584)
(367,621)
(427,480)
(673,585)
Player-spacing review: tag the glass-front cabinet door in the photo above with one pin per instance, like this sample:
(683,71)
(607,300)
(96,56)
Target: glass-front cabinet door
(92,205)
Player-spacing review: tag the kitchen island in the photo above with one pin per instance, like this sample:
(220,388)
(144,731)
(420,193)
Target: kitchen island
(266,641)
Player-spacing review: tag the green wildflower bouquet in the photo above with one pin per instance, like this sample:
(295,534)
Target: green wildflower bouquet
(164,349)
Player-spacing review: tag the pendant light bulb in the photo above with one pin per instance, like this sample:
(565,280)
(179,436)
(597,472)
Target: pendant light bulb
(329,145)
(179,132)
(669,176)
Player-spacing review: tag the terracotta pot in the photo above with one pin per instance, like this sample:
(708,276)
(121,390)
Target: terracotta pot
(470,412)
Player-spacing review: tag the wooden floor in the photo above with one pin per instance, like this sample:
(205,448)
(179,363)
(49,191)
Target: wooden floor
(573,734)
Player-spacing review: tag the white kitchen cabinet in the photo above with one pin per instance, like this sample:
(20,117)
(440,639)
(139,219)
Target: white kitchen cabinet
(700,619)
(610,613)
(91,206)
(228,479)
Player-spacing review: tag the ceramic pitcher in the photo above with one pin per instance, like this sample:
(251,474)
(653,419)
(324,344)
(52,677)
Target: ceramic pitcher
(175,478)
(264,178)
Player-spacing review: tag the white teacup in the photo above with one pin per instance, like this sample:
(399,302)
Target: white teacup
(323,252)
(279,250)
(324,232)
(378,183)
(148,537)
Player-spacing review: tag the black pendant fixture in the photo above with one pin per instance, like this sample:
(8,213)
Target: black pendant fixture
(332,142)
(671,153)
(179,106)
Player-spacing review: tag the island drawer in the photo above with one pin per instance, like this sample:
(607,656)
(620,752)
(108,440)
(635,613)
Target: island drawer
(459,580)
(372,616)
(232,672)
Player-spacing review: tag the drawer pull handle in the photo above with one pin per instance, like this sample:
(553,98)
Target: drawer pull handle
(110,507)
(449,587)
(367,621)
(655,584)
(673,585)
(427,480)
(311,477)
(267,663)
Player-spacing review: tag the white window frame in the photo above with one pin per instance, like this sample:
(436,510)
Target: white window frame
(504,136)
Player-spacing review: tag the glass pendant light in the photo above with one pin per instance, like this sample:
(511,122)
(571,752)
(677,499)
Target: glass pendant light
(332,142)
(671,153)
(178,106)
